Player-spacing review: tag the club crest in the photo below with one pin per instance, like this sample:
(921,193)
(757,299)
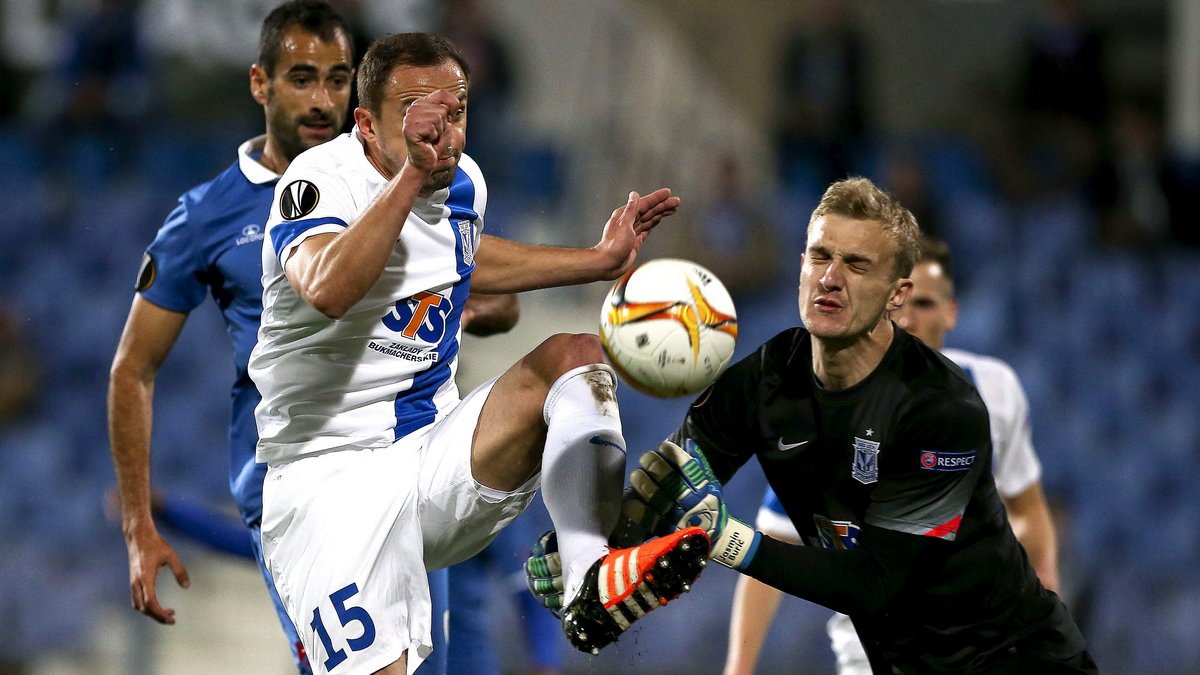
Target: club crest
(866,461)
(468,242)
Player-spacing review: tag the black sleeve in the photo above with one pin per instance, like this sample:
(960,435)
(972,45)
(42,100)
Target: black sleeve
(723,419)
(861,580)
(926,482)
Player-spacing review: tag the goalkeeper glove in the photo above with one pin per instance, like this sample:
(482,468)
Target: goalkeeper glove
(543,573)
(676,489)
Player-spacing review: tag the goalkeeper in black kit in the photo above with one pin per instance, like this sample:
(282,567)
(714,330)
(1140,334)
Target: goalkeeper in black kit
(879,450)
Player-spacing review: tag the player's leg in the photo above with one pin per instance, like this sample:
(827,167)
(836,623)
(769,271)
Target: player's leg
(471,648)
(397,668)
(342,539)
(285,622)
(439,597)
(557,408)
(562,398)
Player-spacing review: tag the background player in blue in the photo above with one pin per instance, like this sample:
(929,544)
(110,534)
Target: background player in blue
(472,649)
(211,243)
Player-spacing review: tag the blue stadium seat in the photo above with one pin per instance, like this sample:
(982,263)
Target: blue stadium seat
(957,168)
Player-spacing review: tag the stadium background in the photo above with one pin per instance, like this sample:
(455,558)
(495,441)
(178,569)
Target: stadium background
(1064,204)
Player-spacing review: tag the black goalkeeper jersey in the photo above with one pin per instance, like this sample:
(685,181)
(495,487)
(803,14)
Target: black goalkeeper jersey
(889,485)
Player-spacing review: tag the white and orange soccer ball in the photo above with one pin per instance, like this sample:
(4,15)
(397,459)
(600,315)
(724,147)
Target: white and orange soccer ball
(668,327)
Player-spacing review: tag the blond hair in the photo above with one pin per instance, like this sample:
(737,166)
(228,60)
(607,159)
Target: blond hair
(860,199)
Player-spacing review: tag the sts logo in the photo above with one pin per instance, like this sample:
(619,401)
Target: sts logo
(421,317)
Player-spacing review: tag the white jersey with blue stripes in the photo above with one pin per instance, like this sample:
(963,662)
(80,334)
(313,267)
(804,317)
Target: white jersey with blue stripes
(1015,465)
(385,368)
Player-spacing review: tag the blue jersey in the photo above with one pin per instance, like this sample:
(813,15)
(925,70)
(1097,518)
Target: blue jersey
(211,244)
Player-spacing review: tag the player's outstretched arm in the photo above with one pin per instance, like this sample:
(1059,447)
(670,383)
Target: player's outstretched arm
(214,529)
(1029,515)
(503,266)
(750,617)
(486,315)
(149,334)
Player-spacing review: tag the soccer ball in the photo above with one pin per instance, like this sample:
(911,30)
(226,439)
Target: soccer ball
(668,326)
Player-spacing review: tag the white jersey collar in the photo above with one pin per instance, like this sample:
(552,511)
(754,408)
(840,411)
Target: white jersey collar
(428,208)
(248,153)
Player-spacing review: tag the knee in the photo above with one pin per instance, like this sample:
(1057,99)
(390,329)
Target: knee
(564,352)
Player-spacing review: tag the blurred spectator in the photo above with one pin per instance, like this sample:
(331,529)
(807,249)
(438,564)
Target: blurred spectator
(105,81)
(733,237)
(18,370)
(1062,103)
(821,85)
(467,24)
(12,89)
(1134,190)
(905,178)
(1064,69)
(738,236)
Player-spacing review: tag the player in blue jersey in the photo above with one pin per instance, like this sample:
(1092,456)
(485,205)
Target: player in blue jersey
(211,244)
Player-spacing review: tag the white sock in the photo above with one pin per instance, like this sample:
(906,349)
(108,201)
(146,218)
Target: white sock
(583,467)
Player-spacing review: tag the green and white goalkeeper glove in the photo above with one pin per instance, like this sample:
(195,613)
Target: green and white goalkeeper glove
(543,573)
(676,488)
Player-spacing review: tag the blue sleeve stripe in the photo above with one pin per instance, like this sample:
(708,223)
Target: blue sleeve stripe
(207,527)
(287,231)
(461,199)
(751,551)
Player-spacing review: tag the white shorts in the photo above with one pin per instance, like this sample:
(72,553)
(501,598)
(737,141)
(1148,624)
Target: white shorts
(349,537)
(851,657)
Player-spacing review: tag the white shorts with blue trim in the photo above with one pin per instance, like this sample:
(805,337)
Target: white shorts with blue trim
(349,537)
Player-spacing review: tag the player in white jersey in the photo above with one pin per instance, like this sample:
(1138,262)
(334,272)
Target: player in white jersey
(929,314)
(377,472)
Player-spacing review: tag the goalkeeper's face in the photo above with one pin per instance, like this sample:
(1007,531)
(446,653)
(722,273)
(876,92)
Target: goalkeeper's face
(847,280)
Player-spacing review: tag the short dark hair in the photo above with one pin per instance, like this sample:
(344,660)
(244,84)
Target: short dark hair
(402,49)
(314,16)
(935,250)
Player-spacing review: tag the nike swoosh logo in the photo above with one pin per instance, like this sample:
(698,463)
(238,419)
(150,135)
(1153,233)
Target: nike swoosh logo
(784,447)
(596,440)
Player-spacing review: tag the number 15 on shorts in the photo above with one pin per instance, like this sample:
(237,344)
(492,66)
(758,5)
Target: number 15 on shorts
(346,615)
